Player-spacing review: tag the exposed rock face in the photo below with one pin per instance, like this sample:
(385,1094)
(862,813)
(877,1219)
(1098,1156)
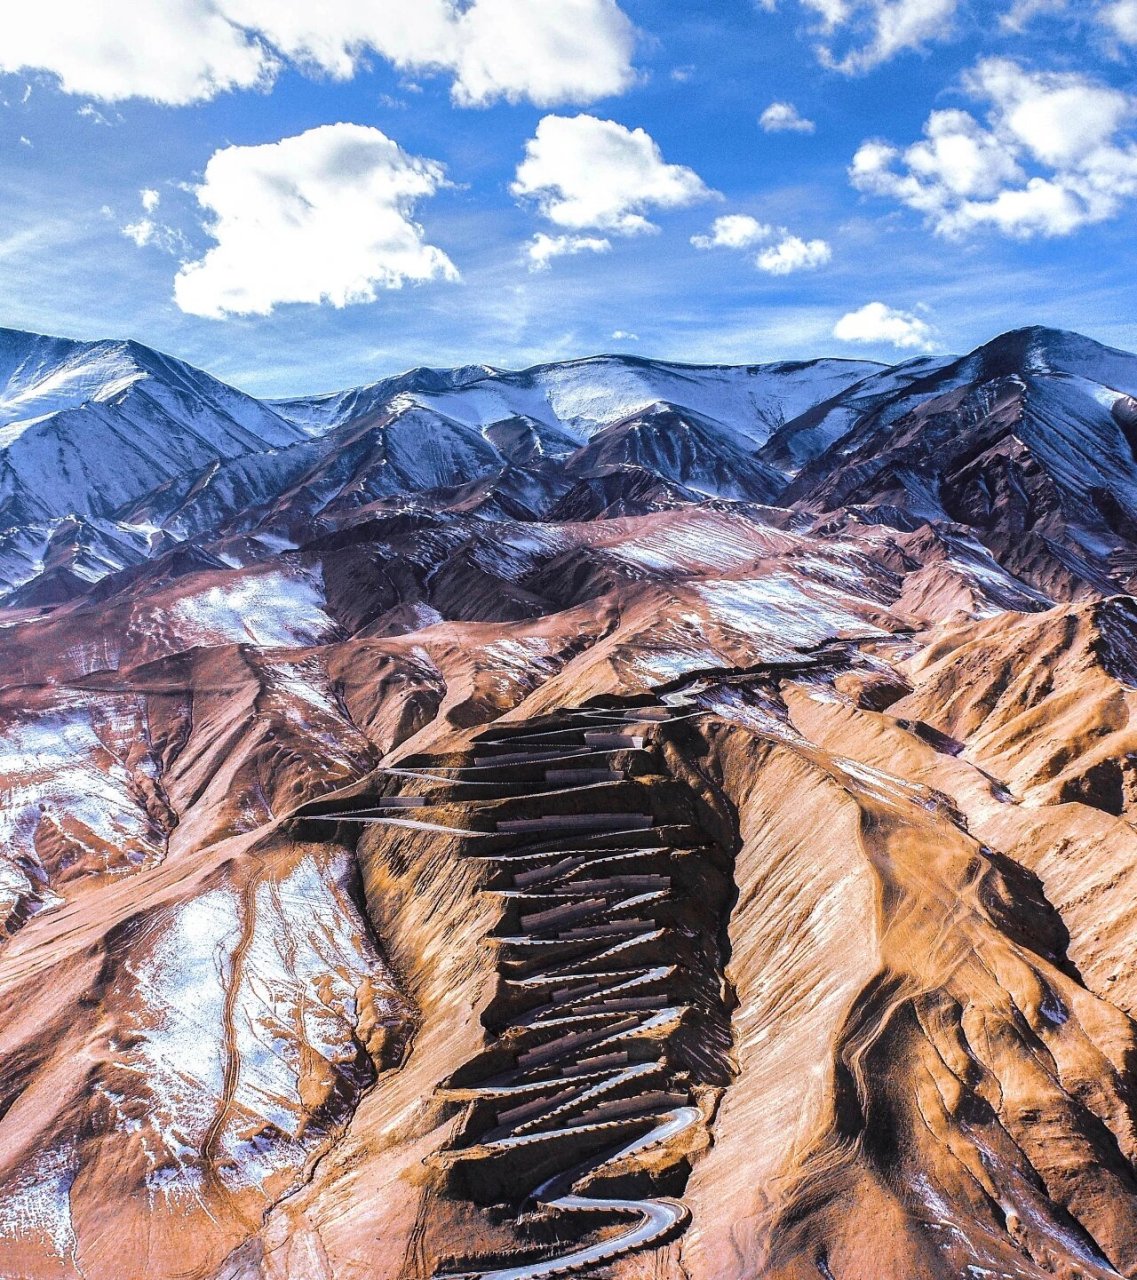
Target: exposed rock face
(617,819)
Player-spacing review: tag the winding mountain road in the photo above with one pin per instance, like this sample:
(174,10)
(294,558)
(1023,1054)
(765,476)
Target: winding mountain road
(582,827)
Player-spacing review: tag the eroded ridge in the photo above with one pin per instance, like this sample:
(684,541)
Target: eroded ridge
(608,1036)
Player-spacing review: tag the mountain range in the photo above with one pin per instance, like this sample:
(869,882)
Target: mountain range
(618,818)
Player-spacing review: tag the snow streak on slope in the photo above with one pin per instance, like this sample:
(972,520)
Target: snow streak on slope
(41,376)
(287,969)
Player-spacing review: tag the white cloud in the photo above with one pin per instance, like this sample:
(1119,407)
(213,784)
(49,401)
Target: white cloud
(793,254)
(622,335)
(141,232)
(790,253)
(858,35)
(784,117)
(876,323)
(90,112)
(181,51)
(148,231)
(584,172)
(553,52)
(1060,117)
(1120,18)
(1023,12)
(1051,157)
(734,231)
(25,141)
(174,51)
(542,249)
(323,216)
(878,29)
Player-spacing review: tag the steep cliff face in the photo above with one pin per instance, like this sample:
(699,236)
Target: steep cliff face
(617,819)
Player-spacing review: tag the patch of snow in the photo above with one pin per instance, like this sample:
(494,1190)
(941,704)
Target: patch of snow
(781,613)
(67,766)
(37,1202)
(174,1029)
(702,541)
(276,609)
(297,1010)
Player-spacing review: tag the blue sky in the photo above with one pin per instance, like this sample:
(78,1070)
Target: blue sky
(243,183)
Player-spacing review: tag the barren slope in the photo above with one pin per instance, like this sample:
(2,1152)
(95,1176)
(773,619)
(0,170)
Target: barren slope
(618,819)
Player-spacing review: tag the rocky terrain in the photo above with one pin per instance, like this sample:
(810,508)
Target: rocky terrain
(618,819)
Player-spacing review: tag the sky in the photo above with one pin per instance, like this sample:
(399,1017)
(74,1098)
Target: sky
(301,197)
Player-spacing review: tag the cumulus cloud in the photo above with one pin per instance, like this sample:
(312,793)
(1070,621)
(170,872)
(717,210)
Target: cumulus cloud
(792,253)
(879,324)
(181,51)
(734,231)
(1051,157)
(789,253)
(784,117)
(542,249)
(622,335)
(589,173)
(323,216)
(855,36)
(173,51)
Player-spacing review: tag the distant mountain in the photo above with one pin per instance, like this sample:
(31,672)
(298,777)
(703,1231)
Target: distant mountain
(88,430)
(1019,441)
(112,454)
(586,395)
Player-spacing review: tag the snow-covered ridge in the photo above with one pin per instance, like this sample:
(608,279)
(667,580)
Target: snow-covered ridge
(585,395)
(40,375)
(112,453)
